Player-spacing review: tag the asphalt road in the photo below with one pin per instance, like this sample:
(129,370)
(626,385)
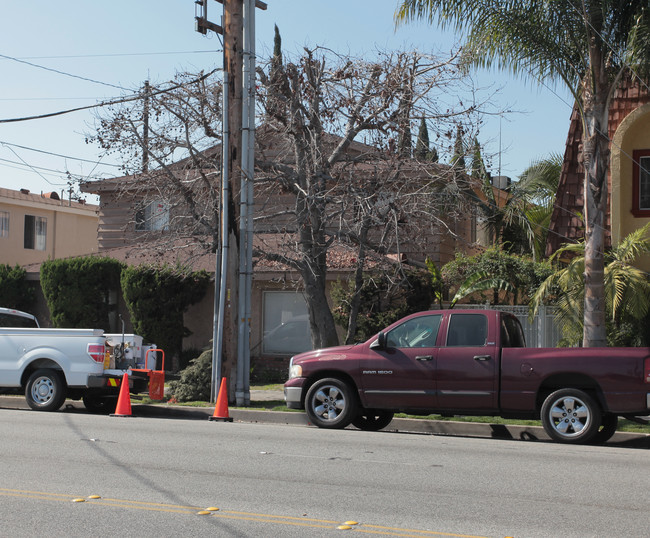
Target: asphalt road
(153,477)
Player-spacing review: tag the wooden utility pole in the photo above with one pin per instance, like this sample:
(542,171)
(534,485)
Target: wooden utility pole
(233,32)
(233,25)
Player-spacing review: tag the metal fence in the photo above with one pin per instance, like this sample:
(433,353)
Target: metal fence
(541,332)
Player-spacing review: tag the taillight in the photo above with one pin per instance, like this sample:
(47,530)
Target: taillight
(646,371)
(96,352)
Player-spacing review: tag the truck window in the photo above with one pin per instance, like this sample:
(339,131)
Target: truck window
(9,320)
(416,332)
(512,335)
(467,330)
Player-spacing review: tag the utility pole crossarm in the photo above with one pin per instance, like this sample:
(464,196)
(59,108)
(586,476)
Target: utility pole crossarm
(203,25)
(258,4)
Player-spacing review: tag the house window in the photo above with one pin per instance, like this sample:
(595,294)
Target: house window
(4,223)
(35,232)
(152,217)
(641,183)
(286,323)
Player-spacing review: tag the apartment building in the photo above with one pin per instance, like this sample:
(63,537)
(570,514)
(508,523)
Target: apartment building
(37,227)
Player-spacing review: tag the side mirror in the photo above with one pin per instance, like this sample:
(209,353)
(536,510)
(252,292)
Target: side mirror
(380,343)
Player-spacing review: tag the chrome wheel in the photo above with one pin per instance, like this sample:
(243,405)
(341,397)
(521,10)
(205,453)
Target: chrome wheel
(330,403)
(571,416)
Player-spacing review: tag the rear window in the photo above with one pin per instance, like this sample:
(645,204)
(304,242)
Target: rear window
(467,330)
(12,320)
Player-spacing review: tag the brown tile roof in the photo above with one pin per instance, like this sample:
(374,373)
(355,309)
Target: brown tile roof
(566,222)
(189,252)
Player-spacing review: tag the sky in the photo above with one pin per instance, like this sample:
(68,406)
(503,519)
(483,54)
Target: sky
(57,56)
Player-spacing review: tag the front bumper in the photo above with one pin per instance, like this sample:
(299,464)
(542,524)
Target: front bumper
(293,393)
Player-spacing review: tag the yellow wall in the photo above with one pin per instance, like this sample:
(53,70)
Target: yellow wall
(633,133)
(71,230)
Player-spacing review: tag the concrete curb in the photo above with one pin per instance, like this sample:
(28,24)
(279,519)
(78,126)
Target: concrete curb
(398,425)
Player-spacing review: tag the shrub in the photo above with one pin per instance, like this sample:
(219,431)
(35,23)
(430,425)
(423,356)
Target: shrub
(78,291)
(15,291)
(157,297)
(383,300)
(521,272)
(195,381)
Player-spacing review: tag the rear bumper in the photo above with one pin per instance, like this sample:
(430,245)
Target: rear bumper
(102,381)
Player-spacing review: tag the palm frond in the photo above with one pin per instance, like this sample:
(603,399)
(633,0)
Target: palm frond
(480,281)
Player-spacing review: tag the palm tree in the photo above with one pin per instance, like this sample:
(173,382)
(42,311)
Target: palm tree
(531,203)
(589,45)
(627,289)
(501,210)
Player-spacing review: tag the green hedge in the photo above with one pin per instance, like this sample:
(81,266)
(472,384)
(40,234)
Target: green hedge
(157,297)
(15,291)
(78,290)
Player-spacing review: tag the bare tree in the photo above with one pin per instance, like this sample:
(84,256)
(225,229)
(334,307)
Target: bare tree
(333,177)
(372,195)
(167,143)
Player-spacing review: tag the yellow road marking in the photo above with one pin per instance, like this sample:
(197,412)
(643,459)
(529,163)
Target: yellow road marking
(230,514)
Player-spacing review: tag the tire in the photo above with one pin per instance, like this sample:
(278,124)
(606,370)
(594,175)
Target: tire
(372,420)
(102,405)
(45,390)
(571,416)
(607,429)
(331,403)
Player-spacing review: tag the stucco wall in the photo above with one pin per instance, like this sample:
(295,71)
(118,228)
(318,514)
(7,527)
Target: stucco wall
(632,134)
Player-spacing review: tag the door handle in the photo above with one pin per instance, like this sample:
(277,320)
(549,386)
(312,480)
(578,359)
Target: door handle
(482,357)
(424,358)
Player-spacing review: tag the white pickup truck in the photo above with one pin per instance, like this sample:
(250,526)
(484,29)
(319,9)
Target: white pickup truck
(51,365)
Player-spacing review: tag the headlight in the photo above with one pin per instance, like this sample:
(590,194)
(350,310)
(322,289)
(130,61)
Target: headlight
(295,370)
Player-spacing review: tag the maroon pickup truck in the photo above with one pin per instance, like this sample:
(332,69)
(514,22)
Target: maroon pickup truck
(470,362)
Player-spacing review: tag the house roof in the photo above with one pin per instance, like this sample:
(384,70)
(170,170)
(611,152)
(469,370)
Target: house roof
(275,148)
(566,221)
(49,199)
(191,252)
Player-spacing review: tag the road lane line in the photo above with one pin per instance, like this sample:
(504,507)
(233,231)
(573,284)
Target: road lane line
(228,514)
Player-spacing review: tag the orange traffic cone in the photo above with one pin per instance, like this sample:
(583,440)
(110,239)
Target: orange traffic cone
(123,408)
(221,409)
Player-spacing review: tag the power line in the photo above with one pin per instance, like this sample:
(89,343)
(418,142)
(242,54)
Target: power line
(48,98)
(3,143)
(106,103)
(33,168)
(22,166)
(117,55)
(63,72)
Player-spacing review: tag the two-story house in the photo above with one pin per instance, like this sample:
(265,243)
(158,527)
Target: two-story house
(35,227)
(139,224)
(628,205)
